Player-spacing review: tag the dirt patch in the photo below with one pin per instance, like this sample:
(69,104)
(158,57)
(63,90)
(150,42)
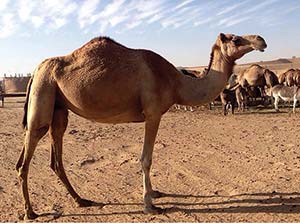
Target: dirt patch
(212,168)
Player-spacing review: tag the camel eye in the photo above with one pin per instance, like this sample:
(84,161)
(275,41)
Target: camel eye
(237,41)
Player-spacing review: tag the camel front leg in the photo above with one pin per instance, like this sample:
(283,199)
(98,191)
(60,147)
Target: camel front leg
(151,128)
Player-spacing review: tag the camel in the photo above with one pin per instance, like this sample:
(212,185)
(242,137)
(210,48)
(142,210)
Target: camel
(107,82)
(290,77)
(297,77)
(286,93)
(287,77)
(256,75)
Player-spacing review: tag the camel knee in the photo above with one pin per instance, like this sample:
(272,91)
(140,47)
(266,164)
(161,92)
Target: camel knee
(23,172)
(31,139)
(20,160)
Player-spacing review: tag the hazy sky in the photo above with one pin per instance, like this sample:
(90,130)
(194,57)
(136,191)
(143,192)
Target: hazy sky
(182,31)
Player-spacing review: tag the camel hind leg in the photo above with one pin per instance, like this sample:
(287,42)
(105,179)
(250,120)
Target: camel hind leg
(31,139)
(39,114)
(57,130)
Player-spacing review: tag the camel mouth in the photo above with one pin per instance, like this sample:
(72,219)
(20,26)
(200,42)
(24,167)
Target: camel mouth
(261,48)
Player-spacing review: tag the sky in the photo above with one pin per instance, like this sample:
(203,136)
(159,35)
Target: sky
(182,31)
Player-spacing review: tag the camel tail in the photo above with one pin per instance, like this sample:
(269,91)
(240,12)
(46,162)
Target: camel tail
(24,122)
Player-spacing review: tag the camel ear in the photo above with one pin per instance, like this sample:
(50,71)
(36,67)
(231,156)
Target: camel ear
(223,37)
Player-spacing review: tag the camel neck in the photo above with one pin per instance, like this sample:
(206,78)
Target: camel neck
(197,91)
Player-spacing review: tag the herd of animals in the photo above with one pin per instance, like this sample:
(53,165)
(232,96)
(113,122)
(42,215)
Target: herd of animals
(244,88)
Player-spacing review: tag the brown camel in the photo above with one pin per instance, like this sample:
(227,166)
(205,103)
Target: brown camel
(107,82)
(297,77)
(256,75)
(290,77)
(287,77)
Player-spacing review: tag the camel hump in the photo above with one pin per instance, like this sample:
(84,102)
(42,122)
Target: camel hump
(254,65)
(98,43)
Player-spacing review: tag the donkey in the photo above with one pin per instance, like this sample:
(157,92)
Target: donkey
(285,93)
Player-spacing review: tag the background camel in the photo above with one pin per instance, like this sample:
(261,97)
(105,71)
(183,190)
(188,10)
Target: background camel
(256,75)
(107,82)
(286,77)
(290,77)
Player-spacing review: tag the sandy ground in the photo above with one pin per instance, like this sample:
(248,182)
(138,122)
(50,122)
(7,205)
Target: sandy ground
(244,167)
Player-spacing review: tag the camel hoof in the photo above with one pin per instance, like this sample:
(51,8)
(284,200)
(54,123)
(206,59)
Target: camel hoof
(153,210)
(88,203)
(156,194)
(30,216)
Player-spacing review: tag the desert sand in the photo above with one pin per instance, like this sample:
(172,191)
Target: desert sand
(243,167)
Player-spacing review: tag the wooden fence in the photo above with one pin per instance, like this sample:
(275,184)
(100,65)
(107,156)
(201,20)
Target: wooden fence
(11,87)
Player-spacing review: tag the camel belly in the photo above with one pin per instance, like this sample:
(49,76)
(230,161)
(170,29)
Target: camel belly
(121,118)
(255,82)
(105,109)
(106,115)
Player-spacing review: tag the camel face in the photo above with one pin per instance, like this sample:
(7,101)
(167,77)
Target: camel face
(235,46)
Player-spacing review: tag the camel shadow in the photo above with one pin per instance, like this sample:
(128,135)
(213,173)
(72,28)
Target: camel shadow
(273,202)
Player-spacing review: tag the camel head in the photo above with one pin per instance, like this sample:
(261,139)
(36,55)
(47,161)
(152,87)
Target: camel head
(234,47)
